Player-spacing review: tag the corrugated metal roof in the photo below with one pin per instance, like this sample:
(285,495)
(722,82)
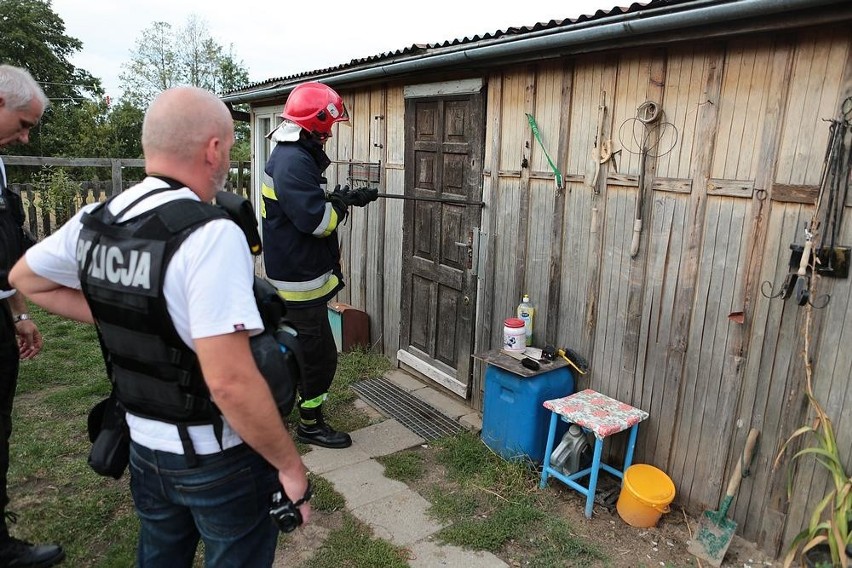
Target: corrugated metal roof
(421,49)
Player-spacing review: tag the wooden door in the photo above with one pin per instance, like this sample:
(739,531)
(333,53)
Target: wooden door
(443,157)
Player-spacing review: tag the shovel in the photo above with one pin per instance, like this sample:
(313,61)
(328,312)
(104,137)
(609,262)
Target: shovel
(715,530)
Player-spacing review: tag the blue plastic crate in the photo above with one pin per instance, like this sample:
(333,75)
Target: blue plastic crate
(514,422)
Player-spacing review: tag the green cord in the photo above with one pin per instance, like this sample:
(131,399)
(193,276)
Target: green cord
(553,167)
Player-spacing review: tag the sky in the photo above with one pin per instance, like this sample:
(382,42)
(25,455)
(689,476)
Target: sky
(277,39)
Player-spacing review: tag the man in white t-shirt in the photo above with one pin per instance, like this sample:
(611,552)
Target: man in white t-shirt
(208,445)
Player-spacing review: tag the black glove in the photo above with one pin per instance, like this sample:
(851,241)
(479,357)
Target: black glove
(337,200)
(340,191)
(361,196)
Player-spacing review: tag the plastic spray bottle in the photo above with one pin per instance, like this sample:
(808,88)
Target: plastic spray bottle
(526,311)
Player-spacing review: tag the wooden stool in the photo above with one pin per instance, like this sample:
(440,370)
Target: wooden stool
(601,415)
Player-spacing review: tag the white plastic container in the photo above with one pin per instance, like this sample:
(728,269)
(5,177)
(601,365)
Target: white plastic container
(514,335)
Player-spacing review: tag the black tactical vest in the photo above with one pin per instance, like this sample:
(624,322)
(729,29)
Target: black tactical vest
(122,267)
(11,233)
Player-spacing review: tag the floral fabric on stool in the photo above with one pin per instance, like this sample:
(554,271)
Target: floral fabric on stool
(596,412)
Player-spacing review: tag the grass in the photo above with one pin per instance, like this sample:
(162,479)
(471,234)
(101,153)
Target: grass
(404,466)
(58,498)
(494,505)
(487,502)
(353,546)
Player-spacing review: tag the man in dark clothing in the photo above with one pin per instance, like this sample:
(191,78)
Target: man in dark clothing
(22,103)
(301,249)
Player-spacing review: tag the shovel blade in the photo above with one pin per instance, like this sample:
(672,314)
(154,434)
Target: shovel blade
(712,537)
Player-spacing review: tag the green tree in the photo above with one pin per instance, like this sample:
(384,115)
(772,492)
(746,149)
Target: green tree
(33,37)
(153,67)
(165,57)
(125,130)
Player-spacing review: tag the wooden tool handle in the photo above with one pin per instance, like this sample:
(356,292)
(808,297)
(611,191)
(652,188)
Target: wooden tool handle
(745,458)
(806,257)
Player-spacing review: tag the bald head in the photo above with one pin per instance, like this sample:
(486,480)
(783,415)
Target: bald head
(187,135)
(180,122)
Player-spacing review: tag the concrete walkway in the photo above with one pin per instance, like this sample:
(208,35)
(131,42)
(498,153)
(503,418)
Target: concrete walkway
(395,512)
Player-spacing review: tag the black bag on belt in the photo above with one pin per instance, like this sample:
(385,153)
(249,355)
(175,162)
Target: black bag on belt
(110,437)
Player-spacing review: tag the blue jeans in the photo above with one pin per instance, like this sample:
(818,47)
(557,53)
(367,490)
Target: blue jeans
(224,500)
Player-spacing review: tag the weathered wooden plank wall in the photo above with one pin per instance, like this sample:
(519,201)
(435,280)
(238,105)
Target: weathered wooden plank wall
(656,327)
(394,183)
(371,238)
(729,186)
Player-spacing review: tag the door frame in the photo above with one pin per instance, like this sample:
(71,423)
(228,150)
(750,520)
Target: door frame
(413,357)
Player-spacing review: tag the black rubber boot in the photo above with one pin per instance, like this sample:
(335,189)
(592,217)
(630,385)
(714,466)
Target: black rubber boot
(312,429)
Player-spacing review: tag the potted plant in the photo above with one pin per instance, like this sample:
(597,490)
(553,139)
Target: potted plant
(827,540)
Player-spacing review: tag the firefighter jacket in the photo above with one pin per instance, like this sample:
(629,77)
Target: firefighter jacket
(301,250)
(122,268)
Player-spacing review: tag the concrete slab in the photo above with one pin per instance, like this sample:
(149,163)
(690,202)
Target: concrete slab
(373,414)
(404,380)
(363,483)
(385,438)
(321,460)
(472,422)
(400,518)
(427,554)
(448,406)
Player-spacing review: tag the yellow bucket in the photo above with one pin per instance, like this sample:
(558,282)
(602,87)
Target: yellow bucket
(645,495)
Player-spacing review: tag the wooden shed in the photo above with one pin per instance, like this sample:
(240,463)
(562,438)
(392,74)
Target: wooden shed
(720,109)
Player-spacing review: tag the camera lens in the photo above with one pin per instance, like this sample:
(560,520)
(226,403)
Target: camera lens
(285,514)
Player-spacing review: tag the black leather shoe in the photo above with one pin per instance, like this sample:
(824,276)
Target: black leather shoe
(323,435)
(15,553)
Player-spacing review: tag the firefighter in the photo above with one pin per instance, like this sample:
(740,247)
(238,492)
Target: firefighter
(301,249)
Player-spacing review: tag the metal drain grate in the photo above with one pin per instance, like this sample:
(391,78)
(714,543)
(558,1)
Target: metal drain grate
(410,411)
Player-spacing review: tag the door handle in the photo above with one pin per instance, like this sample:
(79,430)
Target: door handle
(469,246)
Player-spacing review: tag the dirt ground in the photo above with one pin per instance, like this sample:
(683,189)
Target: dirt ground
(627,547)
(664,545)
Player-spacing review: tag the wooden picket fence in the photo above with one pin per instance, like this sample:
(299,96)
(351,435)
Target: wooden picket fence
(42,219)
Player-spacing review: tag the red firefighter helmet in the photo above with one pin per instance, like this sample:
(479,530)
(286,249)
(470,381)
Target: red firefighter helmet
(315,107)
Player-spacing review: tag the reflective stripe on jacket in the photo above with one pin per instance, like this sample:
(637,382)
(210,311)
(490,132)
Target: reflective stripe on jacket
(300,246)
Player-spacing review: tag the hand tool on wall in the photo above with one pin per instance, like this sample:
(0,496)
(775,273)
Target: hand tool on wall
(801,286)
(649,133)
(599,153)
(820,252)
(834,187)
(715,530)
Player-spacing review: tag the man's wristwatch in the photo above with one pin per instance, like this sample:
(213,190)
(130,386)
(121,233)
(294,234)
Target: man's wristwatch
(22,317)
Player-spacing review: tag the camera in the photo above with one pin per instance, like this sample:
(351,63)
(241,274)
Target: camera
(285,513)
